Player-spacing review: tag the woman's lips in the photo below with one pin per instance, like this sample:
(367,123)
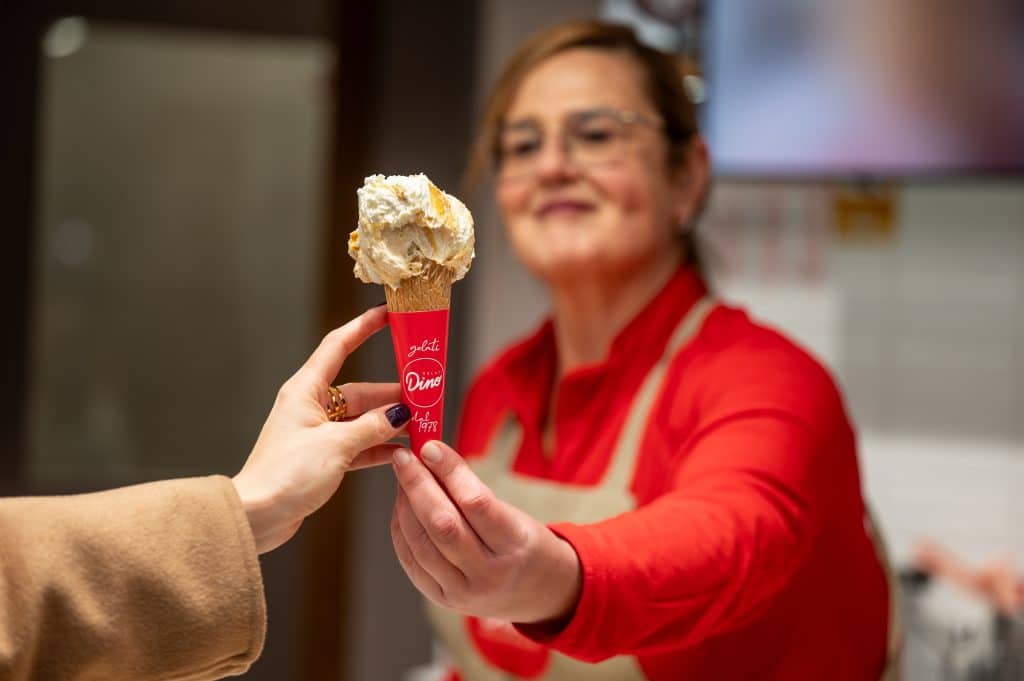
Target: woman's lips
(563,208)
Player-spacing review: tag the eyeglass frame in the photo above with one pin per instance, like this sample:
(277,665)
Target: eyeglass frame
(625,117)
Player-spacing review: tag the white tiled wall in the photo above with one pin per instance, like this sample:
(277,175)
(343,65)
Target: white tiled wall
(963,492)
(924,332)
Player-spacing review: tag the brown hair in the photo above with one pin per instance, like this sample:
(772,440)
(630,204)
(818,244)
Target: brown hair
(664,86)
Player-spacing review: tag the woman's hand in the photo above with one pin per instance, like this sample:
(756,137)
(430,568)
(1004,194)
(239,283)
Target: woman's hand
(467,550)
(301,456)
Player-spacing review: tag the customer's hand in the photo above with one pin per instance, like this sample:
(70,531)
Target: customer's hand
(467,550)
(301,456)
(998,581)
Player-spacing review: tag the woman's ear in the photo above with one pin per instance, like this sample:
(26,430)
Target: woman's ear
(691,180)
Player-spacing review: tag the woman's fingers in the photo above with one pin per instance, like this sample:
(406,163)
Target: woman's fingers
(497,524)
(374,456)
(419,577)
(370,429)
(325,362)
(423,549)
(525,574)
(438,516)
(362,397)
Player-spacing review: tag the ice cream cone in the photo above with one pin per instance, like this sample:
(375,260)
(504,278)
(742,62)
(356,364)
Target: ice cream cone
(431,290)
(415,240)
(420,341)
(418,317)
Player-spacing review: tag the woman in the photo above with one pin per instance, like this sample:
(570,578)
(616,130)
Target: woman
(162,581)
(655,483)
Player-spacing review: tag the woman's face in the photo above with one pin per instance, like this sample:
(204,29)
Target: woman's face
(566,215)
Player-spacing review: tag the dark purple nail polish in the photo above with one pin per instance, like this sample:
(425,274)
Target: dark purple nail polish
(398,415)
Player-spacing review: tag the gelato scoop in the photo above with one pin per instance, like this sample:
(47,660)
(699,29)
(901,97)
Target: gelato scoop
(408,229)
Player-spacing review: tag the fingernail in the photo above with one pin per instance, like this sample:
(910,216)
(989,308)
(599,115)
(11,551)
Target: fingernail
(402,456)
(398,415)
(431,452)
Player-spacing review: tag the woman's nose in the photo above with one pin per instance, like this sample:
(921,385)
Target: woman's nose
(555,161)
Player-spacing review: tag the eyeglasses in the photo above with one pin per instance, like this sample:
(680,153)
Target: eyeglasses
(589,138)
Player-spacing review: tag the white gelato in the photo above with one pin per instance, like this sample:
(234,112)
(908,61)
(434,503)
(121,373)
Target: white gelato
(406,222)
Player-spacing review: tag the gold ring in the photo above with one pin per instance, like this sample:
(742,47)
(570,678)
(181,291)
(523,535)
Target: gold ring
(337,406)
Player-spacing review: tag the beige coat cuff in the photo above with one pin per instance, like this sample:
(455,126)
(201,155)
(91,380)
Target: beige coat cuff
(155,581)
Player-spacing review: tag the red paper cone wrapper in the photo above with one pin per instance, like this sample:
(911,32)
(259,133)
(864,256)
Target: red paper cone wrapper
(420,340)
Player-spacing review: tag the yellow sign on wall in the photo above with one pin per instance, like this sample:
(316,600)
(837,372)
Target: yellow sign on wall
(865,214)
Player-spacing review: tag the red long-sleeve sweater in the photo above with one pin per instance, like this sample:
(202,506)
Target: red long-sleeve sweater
(747,556)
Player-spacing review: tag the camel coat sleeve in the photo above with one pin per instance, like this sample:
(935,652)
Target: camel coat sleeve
(156,581)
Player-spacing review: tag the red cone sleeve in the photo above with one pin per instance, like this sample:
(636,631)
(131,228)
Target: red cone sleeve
(420,341)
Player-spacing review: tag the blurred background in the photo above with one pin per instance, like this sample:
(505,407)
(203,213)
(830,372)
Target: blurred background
(178,184)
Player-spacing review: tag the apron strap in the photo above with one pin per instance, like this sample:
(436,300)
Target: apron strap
(627,448)
(894,646)
(503,447)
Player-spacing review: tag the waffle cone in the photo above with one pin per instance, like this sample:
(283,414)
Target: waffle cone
(431,290)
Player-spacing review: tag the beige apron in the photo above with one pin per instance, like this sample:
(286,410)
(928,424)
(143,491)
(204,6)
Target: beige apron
(894,650)
(551,502)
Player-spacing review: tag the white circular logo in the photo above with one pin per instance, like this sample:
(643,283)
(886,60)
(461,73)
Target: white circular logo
(423,381)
